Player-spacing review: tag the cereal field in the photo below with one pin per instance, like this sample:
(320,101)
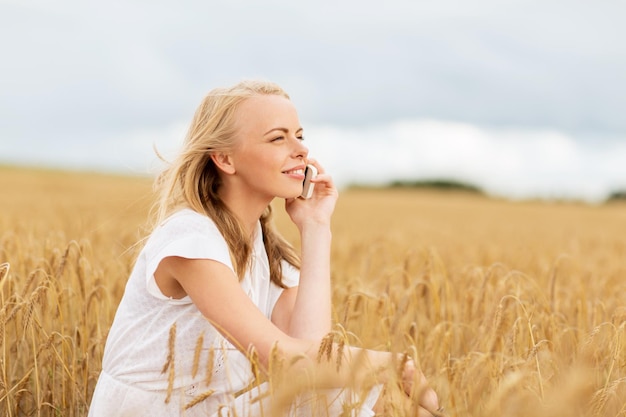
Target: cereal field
(512,309)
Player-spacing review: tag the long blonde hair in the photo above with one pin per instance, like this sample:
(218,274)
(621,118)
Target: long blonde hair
(192,180)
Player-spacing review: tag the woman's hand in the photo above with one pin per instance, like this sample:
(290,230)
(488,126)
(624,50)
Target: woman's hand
(414,383)
(319,208)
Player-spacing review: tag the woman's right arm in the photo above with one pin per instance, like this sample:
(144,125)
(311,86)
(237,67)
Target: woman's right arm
(216,291)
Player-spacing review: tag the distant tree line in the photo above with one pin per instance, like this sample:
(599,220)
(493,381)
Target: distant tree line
(454,185)
(617,196)
(435,184)
(439,184)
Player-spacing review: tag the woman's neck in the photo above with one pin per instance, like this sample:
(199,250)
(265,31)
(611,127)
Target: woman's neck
(247,209)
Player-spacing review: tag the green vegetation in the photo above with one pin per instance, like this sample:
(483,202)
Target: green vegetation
(617,196)
(434,184)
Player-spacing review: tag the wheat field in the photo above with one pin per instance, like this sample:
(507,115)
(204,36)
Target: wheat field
(510,308)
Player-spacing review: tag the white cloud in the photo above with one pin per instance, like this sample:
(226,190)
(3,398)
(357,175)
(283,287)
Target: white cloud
(516,163)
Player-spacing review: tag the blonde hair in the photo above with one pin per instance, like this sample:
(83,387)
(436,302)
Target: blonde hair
(192,180)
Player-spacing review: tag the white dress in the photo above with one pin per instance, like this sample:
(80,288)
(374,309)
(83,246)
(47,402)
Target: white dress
(141,376)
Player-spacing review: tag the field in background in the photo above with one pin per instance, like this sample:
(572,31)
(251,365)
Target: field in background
(512,309)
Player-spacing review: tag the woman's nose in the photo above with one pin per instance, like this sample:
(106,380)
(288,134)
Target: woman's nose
(301,151)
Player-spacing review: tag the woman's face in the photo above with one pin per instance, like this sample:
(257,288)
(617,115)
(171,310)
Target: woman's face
(269,156)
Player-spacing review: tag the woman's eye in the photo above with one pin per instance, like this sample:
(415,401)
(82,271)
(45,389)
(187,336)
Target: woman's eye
(300,137)
(276,139)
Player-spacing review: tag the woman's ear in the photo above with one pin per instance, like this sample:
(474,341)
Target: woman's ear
(224,162)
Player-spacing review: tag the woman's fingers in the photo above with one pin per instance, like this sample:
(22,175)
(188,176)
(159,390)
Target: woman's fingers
(422,412)
(322,177)
(311,161)
(326,179)
(429,399)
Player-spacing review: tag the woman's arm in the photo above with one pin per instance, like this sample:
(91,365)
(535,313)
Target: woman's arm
(215,290)
(305,311)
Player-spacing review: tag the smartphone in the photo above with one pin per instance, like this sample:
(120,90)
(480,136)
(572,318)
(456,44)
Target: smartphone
(307,186)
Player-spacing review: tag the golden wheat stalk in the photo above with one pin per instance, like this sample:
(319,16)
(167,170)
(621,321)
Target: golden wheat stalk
(169,363)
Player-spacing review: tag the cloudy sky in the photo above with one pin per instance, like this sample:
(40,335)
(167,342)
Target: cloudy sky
(523,98)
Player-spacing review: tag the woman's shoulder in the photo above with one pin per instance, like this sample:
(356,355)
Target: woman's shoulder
(187,215)
(187,221)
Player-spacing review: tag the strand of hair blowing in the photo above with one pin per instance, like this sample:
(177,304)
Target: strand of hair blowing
(277,248)
(192,180)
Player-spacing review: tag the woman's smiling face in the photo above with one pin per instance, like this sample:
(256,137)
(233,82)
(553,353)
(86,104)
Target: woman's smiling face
(269,156)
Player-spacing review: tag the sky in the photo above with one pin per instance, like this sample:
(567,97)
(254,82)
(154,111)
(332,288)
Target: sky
(524,99)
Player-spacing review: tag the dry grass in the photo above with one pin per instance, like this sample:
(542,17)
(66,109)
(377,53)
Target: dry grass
(512,309)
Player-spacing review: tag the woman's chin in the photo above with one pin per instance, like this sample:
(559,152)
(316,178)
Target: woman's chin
(294,194)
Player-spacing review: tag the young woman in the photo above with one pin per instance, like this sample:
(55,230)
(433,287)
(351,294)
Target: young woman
(217,295)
